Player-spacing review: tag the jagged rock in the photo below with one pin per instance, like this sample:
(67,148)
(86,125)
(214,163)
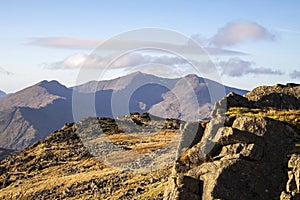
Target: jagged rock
(172,124)
(231,100)
(292,190)
(277,96)
(247,161)
(198,152)
(262,91)
(192,133)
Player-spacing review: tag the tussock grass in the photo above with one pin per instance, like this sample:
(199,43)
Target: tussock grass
(291,117)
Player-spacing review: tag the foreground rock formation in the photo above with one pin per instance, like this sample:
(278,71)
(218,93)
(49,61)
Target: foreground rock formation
(243,157)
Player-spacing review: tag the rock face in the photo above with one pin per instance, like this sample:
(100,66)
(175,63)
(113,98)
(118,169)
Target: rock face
(247,161)
(292,190)
(243,157)
(277,96)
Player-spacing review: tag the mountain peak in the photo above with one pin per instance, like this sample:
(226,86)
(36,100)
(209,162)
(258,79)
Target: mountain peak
(54,87)
(48,84)
(191,76)
(2,94)
(194,78)
(37,96)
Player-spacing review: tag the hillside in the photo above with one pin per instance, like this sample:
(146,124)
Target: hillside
(246,151)
(33,113)
(60,166)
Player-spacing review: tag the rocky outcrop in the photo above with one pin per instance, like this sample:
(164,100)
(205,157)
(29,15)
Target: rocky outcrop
(247,160)
(243,157)
(275,97)
(292,189)
(290,89)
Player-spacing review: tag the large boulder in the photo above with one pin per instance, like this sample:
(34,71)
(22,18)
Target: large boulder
(244,160)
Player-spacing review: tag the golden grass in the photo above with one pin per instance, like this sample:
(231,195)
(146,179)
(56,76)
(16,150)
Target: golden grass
(292,117)
(59,177)
(289,116)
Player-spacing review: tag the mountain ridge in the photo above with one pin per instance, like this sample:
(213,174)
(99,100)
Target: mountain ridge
(137,92)
(36,96)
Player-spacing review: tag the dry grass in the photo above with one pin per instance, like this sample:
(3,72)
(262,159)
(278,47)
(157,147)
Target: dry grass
(60,177)
(291,117)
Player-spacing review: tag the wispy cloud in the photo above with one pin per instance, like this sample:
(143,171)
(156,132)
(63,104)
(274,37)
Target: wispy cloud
(295,74)
(116,44)
(235,67)
(5,72)
(66,42)
(240,31)
(133,62)
(287,30)
(133,59)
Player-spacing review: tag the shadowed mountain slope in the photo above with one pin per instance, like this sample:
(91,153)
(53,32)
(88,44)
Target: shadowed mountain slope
(33,113)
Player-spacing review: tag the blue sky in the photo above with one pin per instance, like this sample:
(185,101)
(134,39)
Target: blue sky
(267,31)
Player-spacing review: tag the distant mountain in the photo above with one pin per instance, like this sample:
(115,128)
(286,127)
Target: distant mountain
(139,92)
(36,96)
(2,94)
(191,98)
(33,113)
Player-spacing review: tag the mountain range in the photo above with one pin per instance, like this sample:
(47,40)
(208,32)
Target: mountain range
(34,112)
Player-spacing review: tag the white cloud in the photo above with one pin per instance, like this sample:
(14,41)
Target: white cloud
(240,31)
(295,74)
(5,72)
(235,67)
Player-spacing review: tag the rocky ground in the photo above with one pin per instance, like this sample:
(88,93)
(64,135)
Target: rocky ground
(250,149)
(61,167)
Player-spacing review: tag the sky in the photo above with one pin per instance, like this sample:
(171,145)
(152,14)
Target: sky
(250,43)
